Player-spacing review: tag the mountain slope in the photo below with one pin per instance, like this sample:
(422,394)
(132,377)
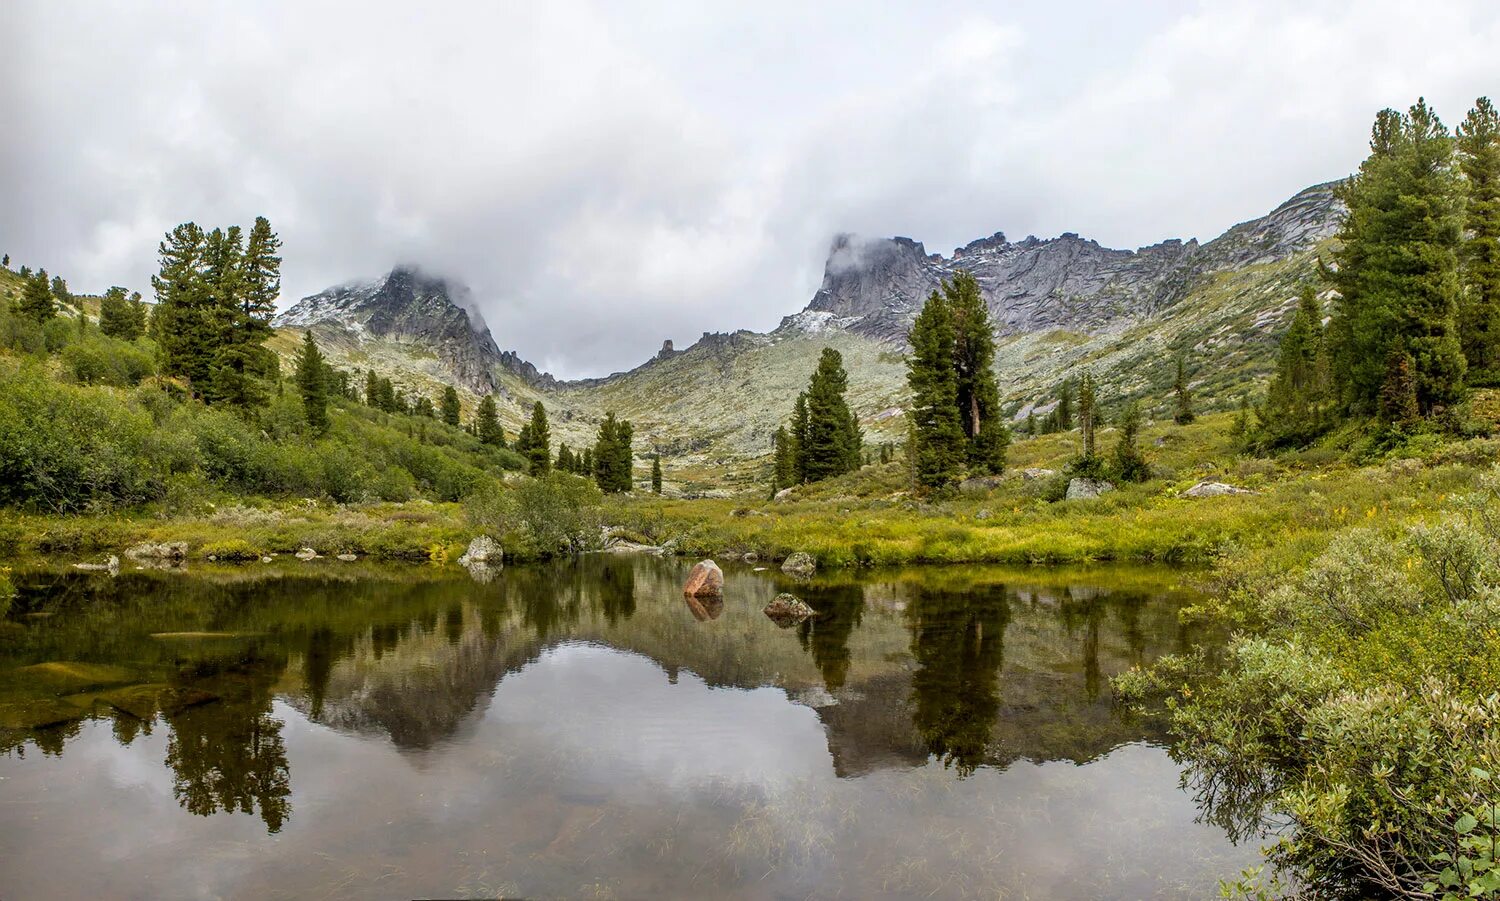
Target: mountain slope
(1058,305)
(422,314)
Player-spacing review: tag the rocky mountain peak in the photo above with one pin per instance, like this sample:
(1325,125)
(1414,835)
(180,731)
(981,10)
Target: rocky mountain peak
(409,306)
(876,286)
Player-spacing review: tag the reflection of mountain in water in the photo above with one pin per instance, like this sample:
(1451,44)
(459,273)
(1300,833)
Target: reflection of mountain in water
(957,665)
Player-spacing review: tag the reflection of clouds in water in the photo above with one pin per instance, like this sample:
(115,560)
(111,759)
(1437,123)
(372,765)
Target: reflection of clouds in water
(625,719)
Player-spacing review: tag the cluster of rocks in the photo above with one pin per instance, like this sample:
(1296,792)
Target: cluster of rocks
(704,591)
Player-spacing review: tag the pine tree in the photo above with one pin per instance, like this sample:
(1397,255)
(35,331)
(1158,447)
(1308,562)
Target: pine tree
(656,473)
(311,381)
(1064,409)
(1396,266)
(1399,405)
(1182,396)
(564,461)
(1479,311)
(831,444)
(35,302)
(1239,430)
(539,440)
(1129,464)
(487,423)
(423,407)
(797,439)
(1030,424)
(613,456)
(937,437)
(184,324)
(387,397)
(986,434)
(60,292)
(449,406)
(586,462)
(1087,465)
(117,316)
(1296,407)
(5,262)
(784,463)
(260,284)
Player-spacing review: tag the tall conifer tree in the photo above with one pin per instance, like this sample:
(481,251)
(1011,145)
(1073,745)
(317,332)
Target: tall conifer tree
(937,435)
(1396,266)
(312,383)
(1479,312)
(538,450)
(1182,397)
(487,423)
(449,407)
(978,394)
(35,302)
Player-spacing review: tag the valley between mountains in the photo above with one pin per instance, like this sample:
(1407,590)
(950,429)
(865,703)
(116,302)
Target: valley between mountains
(1057,304)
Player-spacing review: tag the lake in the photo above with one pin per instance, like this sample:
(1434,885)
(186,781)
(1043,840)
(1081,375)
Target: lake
(343,730)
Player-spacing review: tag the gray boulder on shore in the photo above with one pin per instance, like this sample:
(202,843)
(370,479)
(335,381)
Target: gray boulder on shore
(166,550)
(1086,489)
(800,563)
(1211,488)
(482,549)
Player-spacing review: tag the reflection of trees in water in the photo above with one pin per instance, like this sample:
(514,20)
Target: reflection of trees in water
(228,755)
(617,589)
(839,611)
(958,640)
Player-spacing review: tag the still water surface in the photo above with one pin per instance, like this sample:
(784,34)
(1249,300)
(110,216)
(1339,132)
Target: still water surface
(579,730)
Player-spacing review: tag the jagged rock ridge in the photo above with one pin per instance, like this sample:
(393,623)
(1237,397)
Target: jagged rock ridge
(410,307)
(875,287)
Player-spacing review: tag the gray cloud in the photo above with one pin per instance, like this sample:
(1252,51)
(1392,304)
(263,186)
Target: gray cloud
(607,175)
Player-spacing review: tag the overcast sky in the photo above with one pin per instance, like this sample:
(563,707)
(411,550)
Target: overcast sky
(607,175)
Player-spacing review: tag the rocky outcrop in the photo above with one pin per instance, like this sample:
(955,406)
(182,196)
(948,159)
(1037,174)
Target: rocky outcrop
(980,484)
(1211,488)
(408,306)
(110,565)
(876,286)
(1036,474)
(306,554)
(1086,489)
(704,580)
(787,610)
(483,549)
(800,563)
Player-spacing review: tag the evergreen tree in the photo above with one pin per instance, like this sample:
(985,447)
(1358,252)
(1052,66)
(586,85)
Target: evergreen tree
(1296,407)
(831,443)
(449,406)
(586,462)
(1129,464)
(24,272)
(487,423)
(797,439)
(387,396)
(1240,429)
(539,440)
(184,324)
(656,473)
(1064,409)
(1087,465)
(423,407)
(1479,311)
(311,382)
(1396,266)
(5,262)
(60,292)
(613,456)
(1399,404)
(1182,396)
(978,393)
(937,436)
(260,284)
(564,462)
(784,463)
(119,317)
(35,302)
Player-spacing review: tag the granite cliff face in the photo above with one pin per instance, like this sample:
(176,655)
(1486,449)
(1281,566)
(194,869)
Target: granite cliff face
(424,313)
(875,287)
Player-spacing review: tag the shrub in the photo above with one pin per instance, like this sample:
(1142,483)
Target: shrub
(541,517)
(1367,718)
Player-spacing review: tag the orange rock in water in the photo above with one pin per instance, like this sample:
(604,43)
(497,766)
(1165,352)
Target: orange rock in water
(705,580)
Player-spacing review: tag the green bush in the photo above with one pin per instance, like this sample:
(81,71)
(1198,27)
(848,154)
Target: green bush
(100,360)
(1367,718)
(542,517)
